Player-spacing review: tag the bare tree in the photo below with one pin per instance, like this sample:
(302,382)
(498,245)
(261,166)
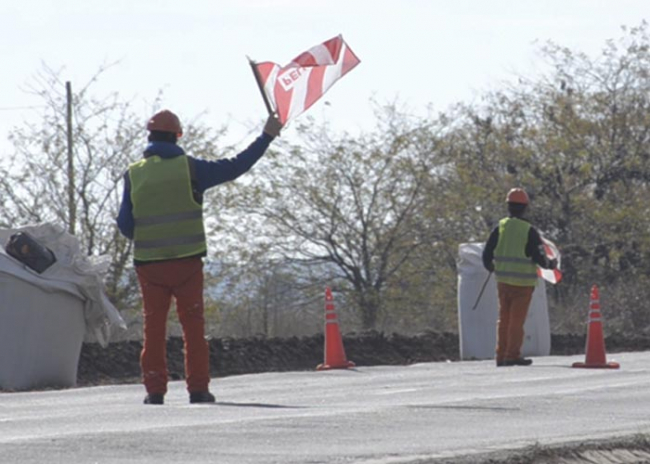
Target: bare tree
(346,207)
(108,135)
(34,180)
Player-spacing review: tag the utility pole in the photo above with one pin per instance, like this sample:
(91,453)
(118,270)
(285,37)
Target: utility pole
(72,213)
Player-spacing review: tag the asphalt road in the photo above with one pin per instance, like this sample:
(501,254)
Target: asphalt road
(389,414)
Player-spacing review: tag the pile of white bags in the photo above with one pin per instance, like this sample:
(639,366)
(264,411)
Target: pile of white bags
(44,318)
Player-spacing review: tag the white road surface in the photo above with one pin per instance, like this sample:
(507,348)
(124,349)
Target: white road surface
(387,414)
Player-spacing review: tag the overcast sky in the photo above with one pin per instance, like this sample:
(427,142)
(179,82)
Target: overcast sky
(421,51)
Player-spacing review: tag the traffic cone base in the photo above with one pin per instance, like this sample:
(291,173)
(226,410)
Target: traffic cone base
(608,365)
(324,367)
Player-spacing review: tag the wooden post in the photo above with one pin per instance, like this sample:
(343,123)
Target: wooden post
(72,213)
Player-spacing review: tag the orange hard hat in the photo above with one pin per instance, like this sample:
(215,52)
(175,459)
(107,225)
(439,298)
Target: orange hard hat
(165,121)
(517,195)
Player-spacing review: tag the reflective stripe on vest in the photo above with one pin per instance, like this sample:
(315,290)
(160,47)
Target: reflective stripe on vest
(511,265)
(168,220)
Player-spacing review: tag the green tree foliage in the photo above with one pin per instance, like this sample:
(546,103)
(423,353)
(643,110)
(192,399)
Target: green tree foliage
(578,140)
(378,216)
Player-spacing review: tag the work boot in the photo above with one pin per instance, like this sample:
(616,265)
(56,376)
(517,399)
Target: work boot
(154,398)
(500,363)
(201,397)
(518,362)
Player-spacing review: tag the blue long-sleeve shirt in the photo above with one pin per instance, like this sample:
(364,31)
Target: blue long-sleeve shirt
(207,174)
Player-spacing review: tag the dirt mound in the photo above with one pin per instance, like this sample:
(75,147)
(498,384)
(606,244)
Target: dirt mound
(119,362)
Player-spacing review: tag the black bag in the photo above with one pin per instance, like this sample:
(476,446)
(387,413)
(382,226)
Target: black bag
(28,251)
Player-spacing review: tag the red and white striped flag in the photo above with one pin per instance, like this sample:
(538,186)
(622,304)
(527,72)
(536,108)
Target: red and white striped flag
(292,89)
(551,275)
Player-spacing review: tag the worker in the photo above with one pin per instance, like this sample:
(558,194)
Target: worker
(161,211)
(513,251)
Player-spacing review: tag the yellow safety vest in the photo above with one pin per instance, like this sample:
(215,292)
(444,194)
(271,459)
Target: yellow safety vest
(511,265)
(168,220)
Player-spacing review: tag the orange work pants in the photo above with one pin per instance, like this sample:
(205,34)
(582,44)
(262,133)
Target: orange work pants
(181,279)
(513,307)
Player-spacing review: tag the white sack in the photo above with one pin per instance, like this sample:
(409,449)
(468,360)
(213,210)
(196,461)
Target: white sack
(41,333)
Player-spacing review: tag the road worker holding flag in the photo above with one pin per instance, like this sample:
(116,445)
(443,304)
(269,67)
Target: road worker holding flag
(162,212)
(513,252)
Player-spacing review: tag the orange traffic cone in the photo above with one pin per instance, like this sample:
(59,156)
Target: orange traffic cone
(595,350)
(334,352)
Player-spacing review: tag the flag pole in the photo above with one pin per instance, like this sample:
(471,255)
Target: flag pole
(482,290)
(258,79)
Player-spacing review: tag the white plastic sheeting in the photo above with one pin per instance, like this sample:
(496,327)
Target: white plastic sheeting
(44,318)
(477,327)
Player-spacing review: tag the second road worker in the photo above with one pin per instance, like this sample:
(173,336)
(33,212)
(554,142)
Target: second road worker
(513,252)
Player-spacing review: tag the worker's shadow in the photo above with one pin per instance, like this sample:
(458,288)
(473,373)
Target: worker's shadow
(256,405)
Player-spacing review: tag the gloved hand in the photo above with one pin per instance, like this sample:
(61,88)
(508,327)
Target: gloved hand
(273,126)
(552,263)
(490,267)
